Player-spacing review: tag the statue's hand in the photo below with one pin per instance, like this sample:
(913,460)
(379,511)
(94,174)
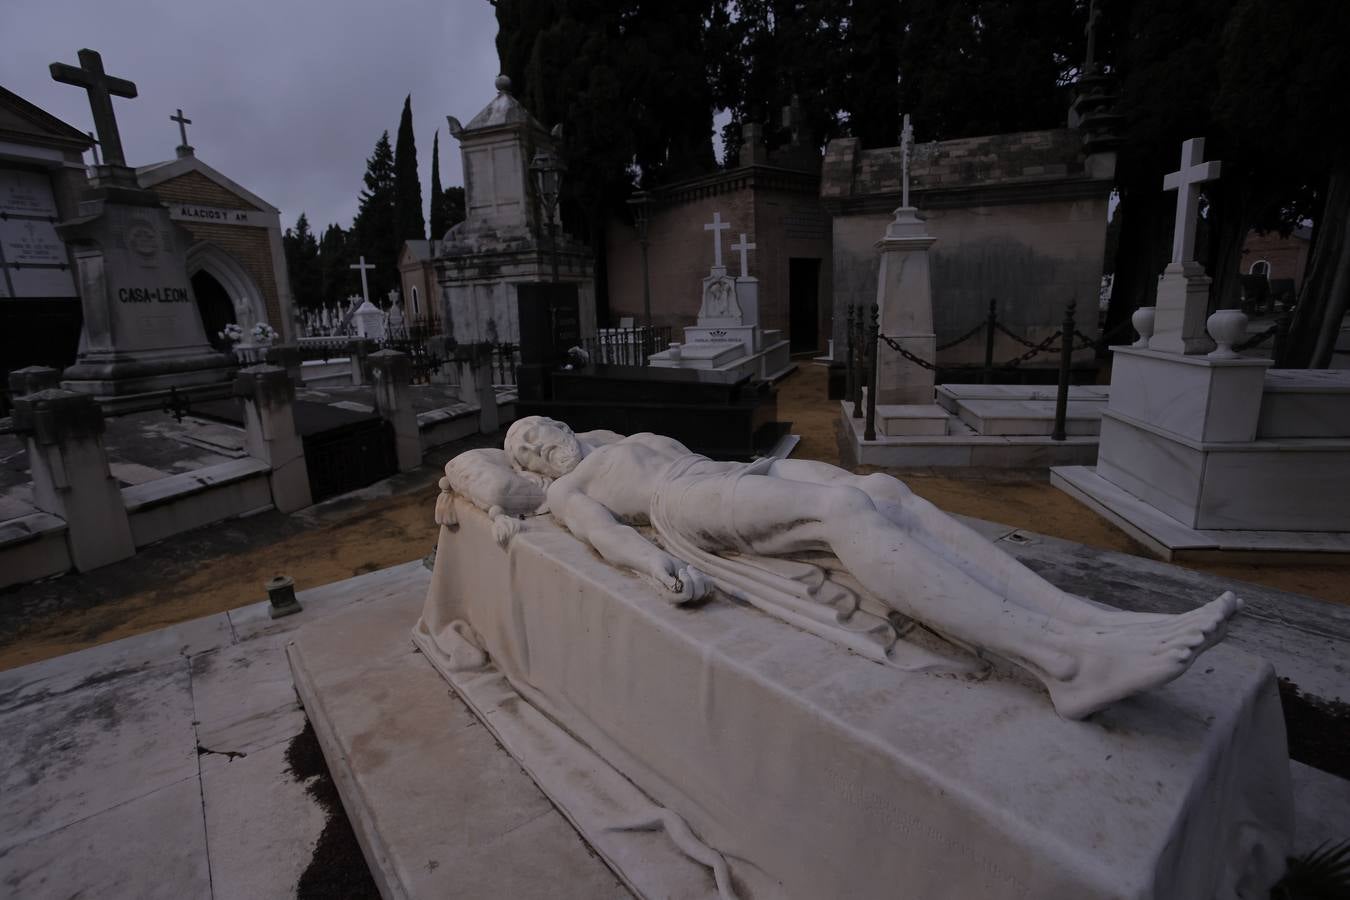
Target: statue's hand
(683,581)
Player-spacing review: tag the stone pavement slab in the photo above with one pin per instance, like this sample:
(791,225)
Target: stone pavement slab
(151,847)
(68,757)
(262,824)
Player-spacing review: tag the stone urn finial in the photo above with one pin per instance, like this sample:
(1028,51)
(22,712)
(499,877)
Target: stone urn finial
(1227,327)
(503,84)
(1142,320)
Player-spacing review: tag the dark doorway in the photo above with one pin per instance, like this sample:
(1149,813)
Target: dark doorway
(215,306)
(803,300)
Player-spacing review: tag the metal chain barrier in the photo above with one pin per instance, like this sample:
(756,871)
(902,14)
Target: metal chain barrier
(965,337)
(1257,340)
(1045,346)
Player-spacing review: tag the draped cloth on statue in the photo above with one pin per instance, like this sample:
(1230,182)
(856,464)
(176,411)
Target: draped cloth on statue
(785,765)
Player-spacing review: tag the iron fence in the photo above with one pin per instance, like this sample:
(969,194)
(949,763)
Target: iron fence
(626,346)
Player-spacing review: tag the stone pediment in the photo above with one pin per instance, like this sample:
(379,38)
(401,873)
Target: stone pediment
(504,111)
(22,122)
(189,180)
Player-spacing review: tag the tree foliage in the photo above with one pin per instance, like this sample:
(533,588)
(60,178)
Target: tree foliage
(375,228)
(412,226)
(336,278)
(302,264)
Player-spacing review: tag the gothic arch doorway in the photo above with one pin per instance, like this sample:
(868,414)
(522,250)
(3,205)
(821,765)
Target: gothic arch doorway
(217,311)
(240,291)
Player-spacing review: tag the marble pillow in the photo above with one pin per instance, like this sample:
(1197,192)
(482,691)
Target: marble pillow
(485,478)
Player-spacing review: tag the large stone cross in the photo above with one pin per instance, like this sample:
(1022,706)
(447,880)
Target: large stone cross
(717,226)
(1186,182)
(364,267)
(906,150)
(101,87)
(742,248)
(183,123)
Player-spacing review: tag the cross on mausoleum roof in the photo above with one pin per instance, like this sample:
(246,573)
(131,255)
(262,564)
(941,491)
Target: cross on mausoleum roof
(742,248)
(101,88)
(184,148)
(93,146)
(1186,182)
(717,226)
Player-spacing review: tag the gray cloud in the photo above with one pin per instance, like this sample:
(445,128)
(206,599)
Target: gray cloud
(287,97)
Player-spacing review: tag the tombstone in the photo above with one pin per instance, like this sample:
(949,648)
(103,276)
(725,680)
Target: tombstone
(369,321)
(1183,293)
(550,324)
(905,302)
(142,330)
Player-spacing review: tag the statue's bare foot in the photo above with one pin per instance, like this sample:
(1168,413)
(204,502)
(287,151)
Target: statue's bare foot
(1132,657)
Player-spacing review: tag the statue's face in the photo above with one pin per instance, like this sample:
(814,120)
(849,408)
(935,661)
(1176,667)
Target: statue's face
(543,445)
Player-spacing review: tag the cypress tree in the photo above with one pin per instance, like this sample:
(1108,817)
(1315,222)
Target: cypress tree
(375,227)
(438,223)
(407,188)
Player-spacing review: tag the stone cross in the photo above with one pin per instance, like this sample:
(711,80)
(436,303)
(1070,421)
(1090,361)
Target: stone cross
(183,123)
(364,267)
(1186,182)
(93,147)
(742,248)
(906,150)
(101,88)
(717,226)
(1091,31)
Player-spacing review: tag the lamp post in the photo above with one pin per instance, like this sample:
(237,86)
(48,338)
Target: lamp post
(641,205)
(548,170)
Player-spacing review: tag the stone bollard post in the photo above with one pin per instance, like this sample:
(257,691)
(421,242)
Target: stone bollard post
(475,385)
(270,433)
(71,479)
(391,376)
(30,379)
(360,349)
(287,356)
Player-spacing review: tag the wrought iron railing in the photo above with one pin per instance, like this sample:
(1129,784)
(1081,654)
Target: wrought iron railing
(626,346)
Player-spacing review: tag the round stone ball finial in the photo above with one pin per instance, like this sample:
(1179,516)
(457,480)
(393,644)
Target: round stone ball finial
(503,84)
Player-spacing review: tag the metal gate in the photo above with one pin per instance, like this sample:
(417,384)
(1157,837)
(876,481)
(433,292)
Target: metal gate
(349,456)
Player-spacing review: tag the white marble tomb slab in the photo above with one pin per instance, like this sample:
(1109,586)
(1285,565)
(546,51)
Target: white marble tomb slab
(1192,396)
(1305,403)
(916,785)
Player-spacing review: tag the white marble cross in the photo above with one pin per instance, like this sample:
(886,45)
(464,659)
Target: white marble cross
(906,148)
(742,248)
(1186,182)
(364,267)
(717,226)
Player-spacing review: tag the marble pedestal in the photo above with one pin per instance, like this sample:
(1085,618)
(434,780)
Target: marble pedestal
(142,331)
(905,303)
(812,772)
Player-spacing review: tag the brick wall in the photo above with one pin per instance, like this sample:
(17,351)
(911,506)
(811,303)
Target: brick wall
(251,248)
(194,187)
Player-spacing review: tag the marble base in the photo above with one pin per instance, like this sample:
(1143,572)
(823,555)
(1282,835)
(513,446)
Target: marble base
(1191,396)
(1268,485)
(812,772)
(900,421)
(1305,403)
(729,362)
(1168,539)
(747,335)
(122,374)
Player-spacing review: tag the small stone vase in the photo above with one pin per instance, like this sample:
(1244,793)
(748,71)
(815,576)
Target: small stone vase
(1227,327)
(674,351)
(1142,320)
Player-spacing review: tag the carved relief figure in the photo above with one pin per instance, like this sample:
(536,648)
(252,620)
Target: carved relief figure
(710,515)
(719,300)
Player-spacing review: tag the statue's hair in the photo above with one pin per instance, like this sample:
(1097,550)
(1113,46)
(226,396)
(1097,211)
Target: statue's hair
(515,441)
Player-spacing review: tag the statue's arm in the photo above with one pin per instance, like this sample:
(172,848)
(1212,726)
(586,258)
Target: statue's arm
(622,546)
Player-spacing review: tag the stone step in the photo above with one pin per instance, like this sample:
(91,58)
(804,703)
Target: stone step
(1305,403)
(1030,417)
(911,419)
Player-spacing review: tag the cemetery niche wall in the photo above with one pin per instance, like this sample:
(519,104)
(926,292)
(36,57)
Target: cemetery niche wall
(41,175)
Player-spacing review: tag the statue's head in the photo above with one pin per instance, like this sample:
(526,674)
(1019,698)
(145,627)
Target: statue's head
(542,445)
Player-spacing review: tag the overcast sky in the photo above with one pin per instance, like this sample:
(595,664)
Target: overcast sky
(287,97)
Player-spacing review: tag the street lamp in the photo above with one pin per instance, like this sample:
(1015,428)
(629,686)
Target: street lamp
(641,206)
(548,170)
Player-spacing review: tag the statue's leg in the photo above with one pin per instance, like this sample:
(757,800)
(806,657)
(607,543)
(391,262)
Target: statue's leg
(1085,667)
(960,545)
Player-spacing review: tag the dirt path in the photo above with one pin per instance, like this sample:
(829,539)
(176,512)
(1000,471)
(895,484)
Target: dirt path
(222,568)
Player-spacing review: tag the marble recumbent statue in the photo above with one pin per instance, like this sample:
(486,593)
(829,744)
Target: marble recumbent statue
(902,550)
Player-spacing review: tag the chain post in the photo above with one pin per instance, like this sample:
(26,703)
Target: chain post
(1282,324)
(850,370)
(859,363)
(991,322)
(1065,361)
(870,428)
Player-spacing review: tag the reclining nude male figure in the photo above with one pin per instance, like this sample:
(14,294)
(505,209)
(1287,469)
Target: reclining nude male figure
(901,548)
